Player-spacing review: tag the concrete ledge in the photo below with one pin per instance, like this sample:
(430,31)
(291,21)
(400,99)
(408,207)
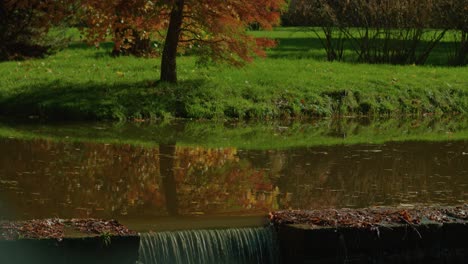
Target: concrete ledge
(432,243)
(98,249)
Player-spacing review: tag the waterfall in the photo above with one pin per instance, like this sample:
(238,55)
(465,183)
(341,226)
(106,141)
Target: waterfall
(237,245)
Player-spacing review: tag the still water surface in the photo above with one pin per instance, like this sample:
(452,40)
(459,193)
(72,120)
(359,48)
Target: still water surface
(205,169)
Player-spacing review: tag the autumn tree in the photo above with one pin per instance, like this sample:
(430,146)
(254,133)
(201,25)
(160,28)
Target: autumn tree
(214,29)
(217,29)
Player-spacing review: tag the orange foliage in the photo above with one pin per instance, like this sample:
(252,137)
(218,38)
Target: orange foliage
(127,21)
(215,29)
(218,28)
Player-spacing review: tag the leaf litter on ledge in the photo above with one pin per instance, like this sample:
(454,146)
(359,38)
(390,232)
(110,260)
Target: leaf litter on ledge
(371,217)
(55,228)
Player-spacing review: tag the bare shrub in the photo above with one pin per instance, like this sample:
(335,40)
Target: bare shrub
(384,31)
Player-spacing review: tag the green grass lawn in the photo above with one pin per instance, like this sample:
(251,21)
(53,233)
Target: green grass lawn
(83,82)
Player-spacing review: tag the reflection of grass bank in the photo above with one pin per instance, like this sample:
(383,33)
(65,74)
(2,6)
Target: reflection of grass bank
(84,83)
(249,136)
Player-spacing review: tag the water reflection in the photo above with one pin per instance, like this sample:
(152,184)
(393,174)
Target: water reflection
(51,178)
(368,175)
(45,179)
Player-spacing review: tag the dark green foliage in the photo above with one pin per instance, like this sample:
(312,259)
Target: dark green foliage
(24,27)
(16,34)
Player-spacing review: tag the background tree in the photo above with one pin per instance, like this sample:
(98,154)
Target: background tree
(453,15)
(24,25)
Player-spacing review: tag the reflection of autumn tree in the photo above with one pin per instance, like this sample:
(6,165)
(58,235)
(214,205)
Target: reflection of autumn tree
(216,180)
(40,178)
(102,180)
(272,164)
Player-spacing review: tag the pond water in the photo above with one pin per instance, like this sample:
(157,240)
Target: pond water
(237,171)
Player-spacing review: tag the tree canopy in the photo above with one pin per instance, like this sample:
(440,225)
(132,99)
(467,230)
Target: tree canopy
(131,24)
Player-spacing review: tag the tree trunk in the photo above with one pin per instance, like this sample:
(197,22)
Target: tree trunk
(168,62)
(463,50)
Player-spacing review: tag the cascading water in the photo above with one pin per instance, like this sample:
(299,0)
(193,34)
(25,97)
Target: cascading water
(239,245)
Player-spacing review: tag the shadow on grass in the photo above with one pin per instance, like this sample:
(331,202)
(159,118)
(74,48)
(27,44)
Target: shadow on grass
(84,46)
(312,48)
(99,101)
(104,49)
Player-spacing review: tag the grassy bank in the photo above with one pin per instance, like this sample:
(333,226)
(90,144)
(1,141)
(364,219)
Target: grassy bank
(83,82)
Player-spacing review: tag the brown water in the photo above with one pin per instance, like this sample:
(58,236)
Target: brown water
(42,177)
